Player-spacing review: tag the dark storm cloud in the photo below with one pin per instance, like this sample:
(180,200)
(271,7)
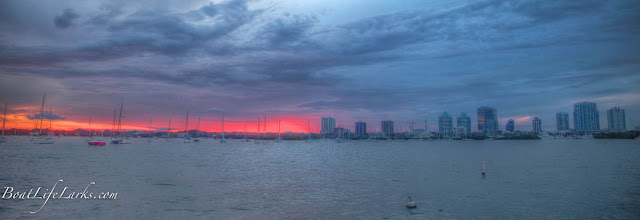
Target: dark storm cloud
(66,19)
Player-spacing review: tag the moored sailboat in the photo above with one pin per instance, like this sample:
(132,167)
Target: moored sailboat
(94,141)
(120,139)
(40,139)
(187,139)
(222,141)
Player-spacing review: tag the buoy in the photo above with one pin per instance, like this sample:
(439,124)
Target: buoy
(411,204)
(483,170)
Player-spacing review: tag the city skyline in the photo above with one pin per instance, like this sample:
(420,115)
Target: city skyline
(297,61)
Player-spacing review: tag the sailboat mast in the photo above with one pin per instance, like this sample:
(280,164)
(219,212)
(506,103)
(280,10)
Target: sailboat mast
(309,129)
(198,125)
(150,127)
(4,118)
(223,126)
(50,120)
(120,116)
(90,131)
(169,126)
(186,125)
(42,113)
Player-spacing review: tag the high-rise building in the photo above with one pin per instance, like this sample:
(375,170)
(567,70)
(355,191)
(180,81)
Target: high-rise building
(361,128)
(510,127)
(562,121)
(386,128)
(616,120)
(464,121)
(487,120)
(537,125)
(328,124)
(586,118)
(445,125)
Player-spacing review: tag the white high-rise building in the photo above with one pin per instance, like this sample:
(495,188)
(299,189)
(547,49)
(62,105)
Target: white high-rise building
(616,119)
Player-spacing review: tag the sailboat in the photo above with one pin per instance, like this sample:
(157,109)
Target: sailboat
(120,139)
(279,139)
(308,131)
(197,139)
(4,118)
(257,141)
(93,141)
(246,134)
(150,132)
(222,141)
(168,137)
(40,139)
(187,139)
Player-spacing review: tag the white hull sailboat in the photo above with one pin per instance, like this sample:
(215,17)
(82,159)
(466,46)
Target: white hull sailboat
(279,139)
(40,139)
(222,141)
(120,139)
(187,139)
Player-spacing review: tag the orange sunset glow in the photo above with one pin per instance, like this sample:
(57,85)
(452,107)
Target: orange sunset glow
(286,124)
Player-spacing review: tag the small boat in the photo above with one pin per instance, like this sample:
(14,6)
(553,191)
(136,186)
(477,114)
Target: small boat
(96,143)
(411,204)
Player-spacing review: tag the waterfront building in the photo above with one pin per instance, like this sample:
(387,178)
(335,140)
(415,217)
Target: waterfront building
(361,128)
(328,124)
(586,118)
(537,125)
(445,125)
(386,128)
(487,121)
(464,121)
(510,127)
(562,121)
(616,120)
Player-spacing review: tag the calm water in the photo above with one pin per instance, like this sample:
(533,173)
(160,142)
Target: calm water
(538,179)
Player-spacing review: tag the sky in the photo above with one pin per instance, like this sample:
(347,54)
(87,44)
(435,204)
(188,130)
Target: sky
(298,60)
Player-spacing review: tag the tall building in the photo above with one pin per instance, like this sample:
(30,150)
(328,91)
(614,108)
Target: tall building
(537,125)
(616,120)
(586,118)
(487,120)
(445,125)
(328,124)
(361,128)
(510,127)
(465,122)
(386,128)
(562,121)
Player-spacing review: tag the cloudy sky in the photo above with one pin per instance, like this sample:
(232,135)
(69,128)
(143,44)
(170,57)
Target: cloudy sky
(298,60)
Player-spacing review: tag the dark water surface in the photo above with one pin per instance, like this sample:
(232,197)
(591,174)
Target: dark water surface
(537,179)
